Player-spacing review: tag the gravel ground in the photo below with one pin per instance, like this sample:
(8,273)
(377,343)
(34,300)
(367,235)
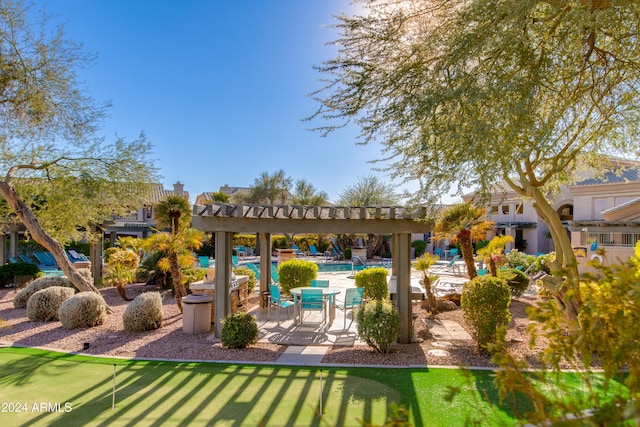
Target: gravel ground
(171,342)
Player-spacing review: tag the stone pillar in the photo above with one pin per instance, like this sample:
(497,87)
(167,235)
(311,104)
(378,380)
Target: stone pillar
(3,248)
(265,266)
(13,244)
(223,278)
(402,255)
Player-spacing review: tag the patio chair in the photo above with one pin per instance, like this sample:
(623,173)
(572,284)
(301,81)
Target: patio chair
(204,261)
(297,249)
(453,251)
(251,266)
(438,252)
(320,283)
(313,251)
(275,277)
(311,300)
(352,300)
(450,266)
(277,301)
(483,271)
(234,261)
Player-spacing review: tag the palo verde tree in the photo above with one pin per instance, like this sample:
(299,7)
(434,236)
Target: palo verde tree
(58,177)
(469,93)
(268,188)
(305,193)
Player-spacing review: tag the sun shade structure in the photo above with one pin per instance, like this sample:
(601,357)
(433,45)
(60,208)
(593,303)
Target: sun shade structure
(225,219)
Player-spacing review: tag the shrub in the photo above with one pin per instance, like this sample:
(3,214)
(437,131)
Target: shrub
(43,305)
(420,246)
(21,298)
(9,271)
(517,280)
(244,271)
(347,253)
(83,310)
(295,273)
(378,324)
(120,269)
(374,282)
(485,303)
(239,330)
(144,313)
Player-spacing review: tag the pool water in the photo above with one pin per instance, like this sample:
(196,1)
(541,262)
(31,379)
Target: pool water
(327,268)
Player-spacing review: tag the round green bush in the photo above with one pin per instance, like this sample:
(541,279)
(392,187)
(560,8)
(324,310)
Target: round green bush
(295,273)
(244,271)
(485,304)
(420,246)
(83,310)
(239,330)
(43,305)
(378,324)
(144,313)
(374,282)
(21,298)
(517,280)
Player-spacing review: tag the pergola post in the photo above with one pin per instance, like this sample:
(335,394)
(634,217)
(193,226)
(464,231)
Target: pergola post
(223,279)
(402,264)
(265,266)
(95,255)
(13,244)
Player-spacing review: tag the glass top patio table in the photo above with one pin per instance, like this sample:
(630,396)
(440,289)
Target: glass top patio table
(326,293)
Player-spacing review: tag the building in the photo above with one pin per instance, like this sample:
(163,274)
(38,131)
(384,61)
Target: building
(599,210)
(140,222)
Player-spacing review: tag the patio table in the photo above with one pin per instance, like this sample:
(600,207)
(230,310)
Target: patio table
(327,293)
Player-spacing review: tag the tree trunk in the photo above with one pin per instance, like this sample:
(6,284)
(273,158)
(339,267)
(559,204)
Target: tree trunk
(123,293)
(176,276)
(466,247)
(568,293)
(374,242)
(38,234)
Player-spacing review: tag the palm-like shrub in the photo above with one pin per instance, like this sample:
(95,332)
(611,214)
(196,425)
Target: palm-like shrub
(423,264)
(378,324)
(21,298)
(144,313)
(517,280)
(43,305)
(83,310)
(485,303)
(239,330)
(295,273)
(120,269)
(374,282)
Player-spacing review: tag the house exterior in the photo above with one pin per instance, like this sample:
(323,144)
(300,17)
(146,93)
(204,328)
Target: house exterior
(140,222)
(598,210)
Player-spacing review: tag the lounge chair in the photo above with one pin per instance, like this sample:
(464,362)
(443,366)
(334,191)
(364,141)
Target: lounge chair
(26,259)
(297,249)
(204,261)
(450,266)
(313,251)
(44,259)
(251,266)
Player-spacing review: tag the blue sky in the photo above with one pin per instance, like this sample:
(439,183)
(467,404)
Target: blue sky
(219,87)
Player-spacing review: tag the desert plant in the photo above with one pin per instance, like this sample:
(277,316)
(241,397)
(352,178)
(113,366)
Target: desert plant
(374,282)
(517,280)
(295,273)
(378,324)
(244,271)
(43,305)
(9,271)
(485,303)
(120,269)
(420,246)
(144,313)
(423,264)
(83,310)
(21,298)
(239,330)
(493,252)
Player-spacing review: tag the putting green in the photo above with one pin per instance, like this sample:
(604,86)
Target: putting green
(68,391)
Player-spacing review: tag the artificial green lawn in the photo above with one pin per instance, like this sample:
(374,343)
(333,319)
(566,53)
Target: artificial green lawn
(173,393)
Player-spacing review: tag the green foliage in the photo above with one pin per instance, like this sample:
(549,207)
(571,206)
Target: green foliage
(347,253)
(517,280)
(485,303)
(480,244)
(239,330)
(173,213)
(424,264)
(9,271)
(244,271)
(518,258)
(193,274)
(398,417)
(295,273)
(420,246)
(267,189)
(374,282)
(368,191)
(246,240)
(120,269)
(378,324)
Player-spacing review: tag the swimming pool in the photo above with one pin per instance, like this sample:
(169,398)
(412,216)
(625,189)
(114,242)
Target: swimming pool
(336,267)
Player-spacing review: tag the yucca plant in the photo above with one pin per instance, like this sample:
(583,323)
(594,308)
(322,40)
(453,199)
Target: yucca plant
(423,264)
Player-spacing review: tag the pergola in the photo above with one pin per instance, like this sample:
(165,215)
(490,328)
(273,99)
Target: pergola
(226,219)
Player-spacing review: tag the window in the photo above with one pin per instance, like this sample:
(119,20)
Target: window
(519,209)
(505,209)
(494,210)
